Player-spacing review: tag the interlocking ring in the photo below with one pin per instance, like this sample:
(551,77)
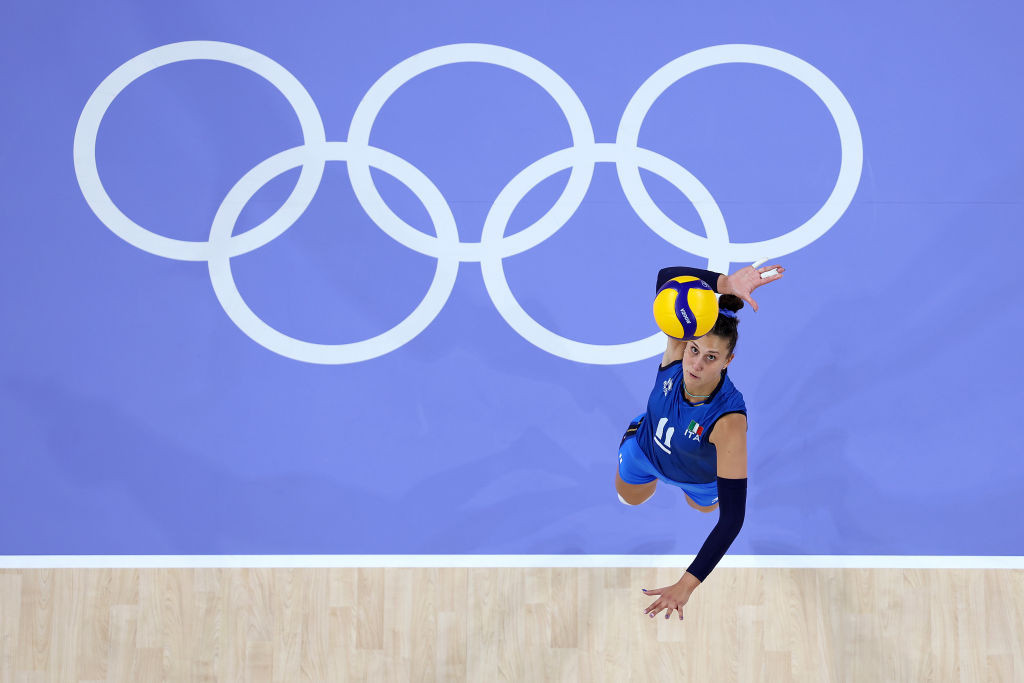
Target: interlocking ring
(851,159)
(112,86)
(445,245)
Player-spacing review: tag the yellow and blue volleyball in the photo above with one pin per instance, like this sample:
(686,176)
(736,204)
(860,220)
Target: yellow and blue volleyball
(685,308)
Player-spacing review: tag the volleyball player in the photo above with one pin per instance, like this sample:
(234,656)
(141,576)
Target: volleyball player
(694,432)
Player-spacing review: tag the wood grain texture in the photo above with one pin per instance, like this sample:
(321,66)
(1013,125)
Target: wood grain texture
(813,625)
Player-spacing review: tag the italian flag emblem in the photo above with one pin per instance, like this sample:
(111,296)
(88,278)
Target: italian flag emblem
(694,429)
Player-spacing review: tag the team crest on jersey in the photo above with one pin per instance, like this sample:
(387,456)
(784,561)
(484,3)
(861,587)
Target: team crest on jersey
(666,386)
(694,430)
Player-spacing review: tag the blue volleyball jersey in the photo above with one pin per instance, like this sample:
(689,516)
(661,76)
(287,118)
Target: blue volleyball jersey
(674,434)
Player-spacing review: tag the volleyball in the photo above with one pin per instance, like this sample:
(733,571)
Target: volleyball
(685,308)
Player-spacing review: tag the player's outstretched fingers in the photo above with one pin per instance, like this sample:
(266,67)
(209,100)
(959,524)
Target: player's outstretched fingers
(661,604)
(670,599)
(657,607)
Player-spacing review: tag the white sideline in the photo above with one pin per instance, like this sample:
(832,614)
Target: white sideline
(501,561)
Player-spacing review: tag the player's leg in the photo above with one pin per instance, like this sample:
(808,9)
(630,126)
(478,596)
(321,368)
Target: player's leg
(634,481)
(634,494)
(702,508)
(703,497)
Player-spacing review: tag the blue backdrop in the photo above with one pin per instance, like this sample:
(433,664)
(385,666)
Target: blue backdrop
(144,410)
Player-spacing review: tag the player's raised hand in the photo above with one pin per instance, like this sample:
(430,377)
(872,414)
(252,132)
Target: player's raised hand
(746,280)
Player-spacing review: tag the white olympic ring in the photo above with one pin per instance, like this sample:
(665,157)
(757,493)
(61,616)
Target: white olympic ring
(378,94)
(446,246)
(247,321)
(497,220)
(101,99)
(851,158)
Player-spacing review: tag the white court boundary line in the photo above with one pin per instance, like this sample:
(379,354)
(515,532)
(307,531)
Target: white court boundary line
(504,561)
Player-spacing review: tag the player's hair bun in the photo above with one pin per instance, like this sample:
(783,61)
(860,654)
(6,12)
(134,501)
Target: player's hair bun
(730,302)
(726,325)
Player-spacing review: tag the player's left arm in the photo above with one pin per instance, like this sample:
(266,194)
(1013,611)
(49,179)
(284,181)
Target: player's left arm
(729,435)
(741,283)
(730,438)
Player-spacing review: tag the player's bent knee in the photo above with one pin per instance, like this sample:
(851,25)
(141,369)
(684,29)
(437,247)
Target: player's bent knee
(635,500)
(633,494)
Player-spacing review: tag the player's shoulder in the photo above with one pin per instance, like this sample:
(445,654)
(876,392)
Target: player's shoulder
(730,394)
(672,368)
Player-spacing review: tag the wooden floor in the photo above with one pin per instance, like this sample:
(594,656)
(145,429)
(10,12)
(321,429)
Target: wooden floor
(813,625)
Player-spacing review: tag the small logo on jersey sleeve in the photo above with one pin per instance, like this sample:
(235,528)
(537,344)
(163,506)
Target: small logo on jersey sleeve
(694,431)
(666,386)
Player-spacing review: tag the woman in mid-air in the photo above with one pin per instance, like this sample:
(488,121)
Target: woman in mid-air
(694,432)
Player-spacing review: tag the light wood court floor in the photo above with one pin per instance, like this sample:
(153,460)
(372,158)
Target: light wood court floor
(776,625)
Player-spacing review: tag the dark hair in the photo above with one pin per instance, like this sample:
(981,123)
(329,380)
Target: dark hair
(725,326)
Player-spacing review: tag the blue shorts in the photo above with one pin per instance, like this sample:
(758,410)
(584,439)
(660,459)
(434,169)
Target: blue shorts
(635,468)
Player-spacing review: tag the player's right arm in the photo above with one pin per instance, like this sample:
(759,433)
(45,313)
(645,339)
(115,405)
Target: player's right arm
(673,350)
(675,347)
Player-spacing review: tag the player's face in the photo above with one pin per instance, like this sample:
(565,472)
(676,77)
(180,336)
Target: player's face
(705,358)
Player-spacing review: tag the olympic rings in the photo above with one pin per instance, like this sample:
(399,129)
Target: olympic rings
(849,139)
(101,99)
(375,98)
(247,321)
(445,245)
(497,220)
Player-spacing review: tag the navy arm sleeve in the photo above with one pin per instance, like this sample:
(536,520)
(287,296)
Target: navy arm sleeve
(732,505)
(666,274)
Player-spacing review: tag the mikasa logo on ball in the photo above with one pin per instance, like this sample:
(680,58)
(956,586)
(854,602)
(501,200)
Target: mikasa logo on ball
(682,312)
